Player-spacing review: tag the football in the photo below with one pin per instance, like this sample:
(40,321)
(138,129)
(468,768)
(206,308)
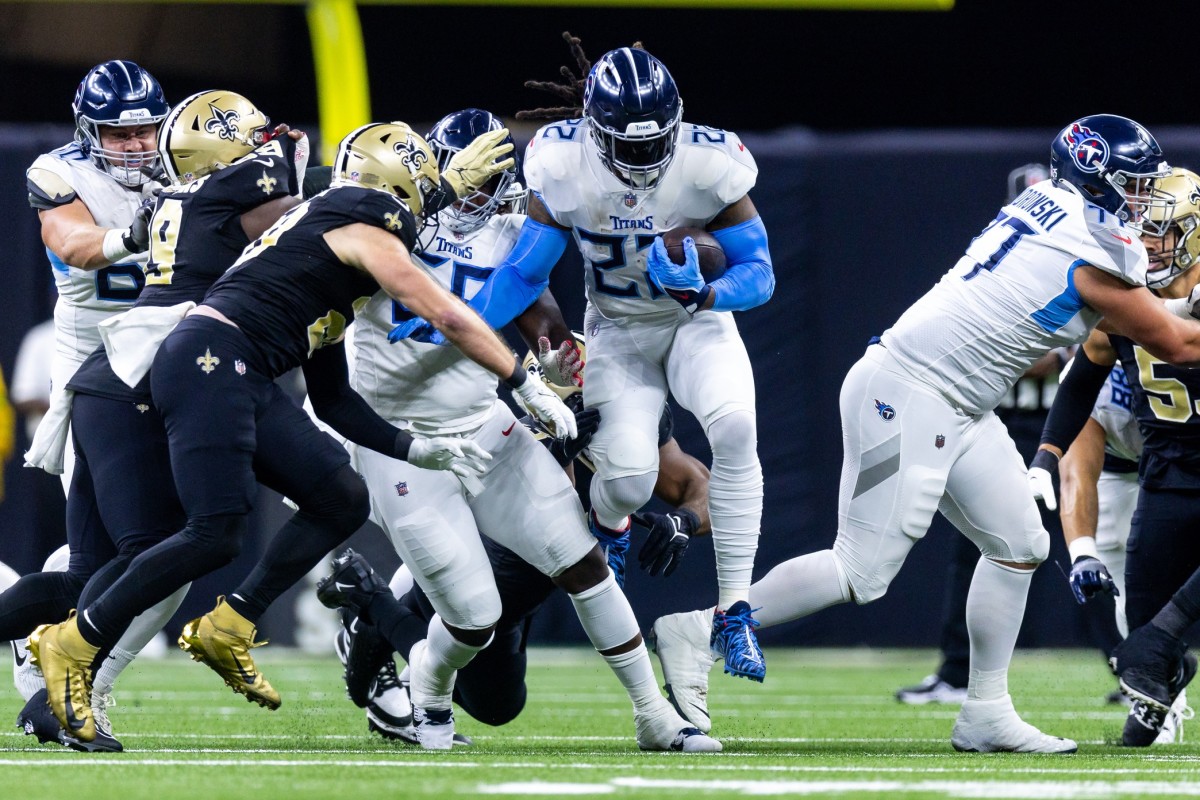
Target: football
(712,255)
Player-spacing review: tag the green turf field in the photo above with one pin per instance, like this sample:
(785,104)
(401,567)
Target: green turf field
(824,724)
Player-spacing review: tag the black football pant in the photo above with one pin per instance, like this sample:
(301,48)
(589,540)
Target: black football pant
(1163,551)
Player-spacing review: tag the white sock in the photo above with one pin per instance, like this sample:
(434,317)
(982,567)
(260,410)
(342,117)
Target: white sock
(25,677)
(735,501)
(635,673)
(145,626)
(799,587)
(995,608)
(402,581)
(433,683)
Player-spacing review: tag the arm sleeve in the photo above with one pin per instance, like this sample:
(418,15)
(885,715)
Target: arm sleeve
(1074,402)
(523,275)
(344,409)
(749,280)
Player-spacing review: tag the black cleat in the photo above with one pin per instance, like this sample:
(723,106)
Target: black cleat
(363,653)
(1148,663)
(352,584)
(36,719)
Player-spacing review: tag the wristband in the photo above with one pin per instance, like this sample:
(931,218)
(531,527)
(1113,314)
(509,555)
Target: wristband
(518,377)
(113,247)
(1083,547)
(402,445)
(1044,459)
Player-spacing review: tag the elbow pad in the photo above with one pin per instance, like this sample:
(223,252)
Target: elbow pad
(522,276)
(749,280)
(1073,404)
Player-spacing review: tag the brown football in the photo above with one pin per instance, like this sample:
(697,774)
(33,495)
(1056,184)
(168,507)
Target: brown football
(712,255)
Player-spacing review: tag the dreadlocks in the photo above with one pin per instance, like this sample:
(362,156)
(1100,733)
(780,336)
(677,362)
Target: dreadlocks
(570,89)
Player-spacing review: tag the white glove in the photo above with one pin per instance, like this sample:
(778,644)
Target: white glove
(472,166)
(562,367)
(1041,478)
(548,408)
(461,456)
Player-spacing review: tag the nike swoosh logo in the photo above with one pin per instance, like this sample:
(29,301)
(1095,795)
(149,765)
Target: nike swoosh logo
(72,723)
(1125,239)
(248,677)
(510,429)
(17,657)
(343,586)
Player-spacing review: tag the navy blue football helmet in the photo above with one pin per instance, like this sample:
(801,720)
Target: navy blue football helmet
(118,93)
(1114,163)
(633,110)
(450,135)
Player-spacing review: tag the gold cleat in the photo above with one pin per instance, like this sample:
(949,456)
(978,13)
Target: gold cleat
(222,639)
(65,658)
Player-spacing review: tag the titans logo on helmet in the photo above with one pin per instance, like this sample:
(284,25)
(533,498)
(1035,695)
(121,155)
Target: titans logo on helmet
(885,411)
(1089,149)
(222,123)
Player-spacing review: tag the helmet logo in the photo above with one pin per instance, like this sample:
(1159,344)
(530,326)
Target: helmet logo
(1194,196)
(1089,149)
(222,123)
(411,156)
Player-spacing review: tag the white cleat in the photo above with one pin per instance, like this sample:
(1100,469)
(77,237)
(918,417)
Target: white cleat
(665,730)
(26,676)
(682,644)
(992,726)
(434,729)
(1172,729)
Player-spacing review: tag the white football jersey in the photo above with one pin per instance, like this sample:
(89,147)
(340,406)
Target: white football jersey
(1011,298)
(1114,412)
(86,297)
(432,388)
(614,225)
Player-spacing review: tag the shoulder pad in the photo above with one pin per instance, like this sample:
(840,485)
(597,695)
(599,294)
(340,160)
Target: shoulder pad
(385,211)
(1118,250)
(47,188)
(553,162)
(717,161)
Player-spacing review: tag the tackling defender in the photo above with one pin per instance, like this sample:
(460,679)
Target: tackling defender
(918,424)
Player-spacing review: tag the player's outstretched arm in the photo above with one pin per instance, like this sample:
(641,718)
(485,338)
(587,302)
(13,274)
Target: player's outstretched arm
(683,483)
(71,233)
(544,330)
(1080,470)
(1134,312)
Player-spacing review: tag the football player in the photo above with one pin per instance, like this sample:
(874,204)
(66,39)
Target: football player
(491,688)
(918,421)
(523,500)
(626,169)
(90,196)
(286,299)
(1161,593)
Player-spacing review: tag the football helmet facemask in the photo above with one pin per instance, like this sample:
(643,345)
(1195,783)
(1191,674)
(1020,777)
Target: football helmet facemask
(633,111)
(1183,187)
(1114,163)
(121,94)
(390,157)
(209,131)
(449,136)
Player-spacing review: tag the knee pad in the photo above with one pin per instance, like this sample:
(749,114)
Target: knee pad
(130,545)
(217,538)
(625,449)
(735,432)
(341,500)
(620,497)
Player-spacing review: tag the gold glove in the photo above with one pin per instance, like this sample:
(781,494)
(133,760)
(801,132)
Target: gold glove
(472,166)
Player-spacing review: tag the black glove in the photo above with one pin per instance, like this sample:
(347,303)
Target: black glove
(1089,577)
(136,238)
(587,420)
(667,539)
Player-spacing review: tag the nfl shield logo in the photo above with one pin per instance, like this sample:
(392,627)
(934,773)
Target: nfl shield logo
(402,488)
(630,199)
(239,366)
(939,441)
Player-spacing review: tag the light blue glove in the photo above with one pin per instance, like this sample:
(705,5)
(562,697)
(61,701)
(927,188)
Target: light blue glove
(667,274)
(418,330)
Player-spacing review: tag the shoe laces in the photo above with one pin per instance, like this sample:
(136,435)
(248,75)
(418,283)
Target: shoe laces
(100,705)
(734,622)
(387,678)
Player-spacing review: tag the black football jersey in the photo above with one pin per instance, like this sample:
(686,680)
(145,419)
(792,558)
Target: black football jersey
(195,236)
(196,233)
(1166,402)
(288,293)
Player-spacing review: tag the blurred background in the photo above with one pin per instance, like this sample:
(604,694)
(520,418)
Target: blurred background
(884,137)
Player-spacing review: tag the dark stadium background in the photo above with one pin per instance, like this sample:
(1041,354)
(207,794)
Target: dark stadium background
(883,141)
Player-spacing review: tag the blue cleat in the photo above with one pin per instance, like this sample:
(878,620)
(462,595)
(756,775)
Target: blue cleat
(733,639)
(615,545)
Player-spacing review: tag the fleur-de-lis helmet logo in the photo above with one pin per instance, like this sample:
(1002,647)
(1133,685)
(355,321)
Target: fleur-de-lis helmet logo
(222,122)
(411,155)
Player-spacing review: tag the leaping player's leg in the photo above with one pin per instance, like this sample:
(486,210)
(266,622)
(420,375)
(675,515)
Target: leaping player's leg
(987,500)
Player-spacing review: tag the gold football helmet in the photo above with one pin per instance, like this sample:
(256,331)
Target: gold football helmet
(209,131)
(531,365)
(391,157)
(1183,216)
